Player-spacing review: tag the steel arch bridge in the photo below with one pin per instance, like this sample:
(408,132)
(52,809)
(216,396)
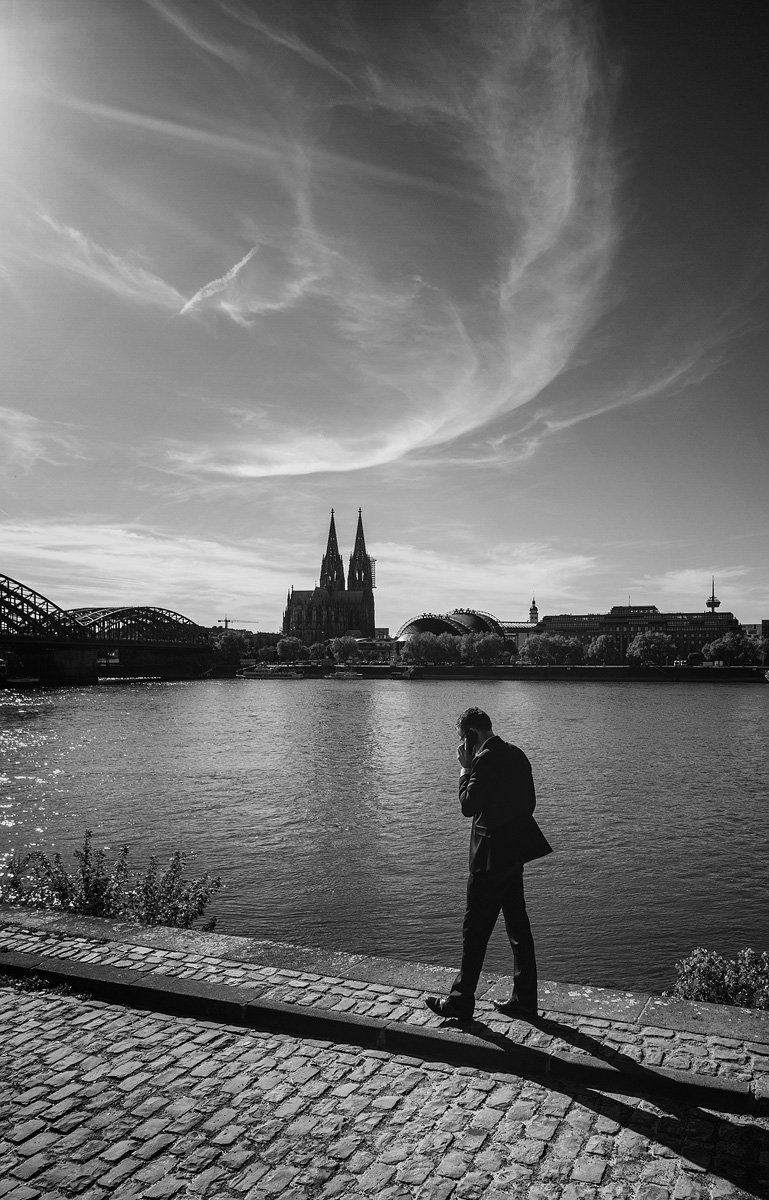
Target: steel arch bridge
(140,624)
(26,614)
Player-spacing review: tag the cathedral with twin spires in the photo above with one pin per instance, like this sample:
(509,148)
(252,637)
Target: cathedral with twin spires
(332,609)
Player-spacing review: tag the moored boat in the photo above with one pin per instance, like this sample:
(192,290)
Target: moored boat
(268,673)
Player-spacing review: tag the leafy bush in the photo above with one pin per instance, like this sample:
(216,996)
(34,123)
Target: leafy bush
(705,975)
(34,983)
(94,889)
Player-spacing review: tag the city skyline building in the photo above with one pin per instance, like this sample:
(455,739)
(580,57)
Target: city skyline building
(335,608)
(690,631)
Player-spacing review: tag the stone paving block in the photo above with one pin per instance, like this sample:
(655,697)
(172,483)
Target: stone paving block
(25,1130)
(118,1150)
(35,1144)
(589,1169)
(154,1146)
(30,1167)
(21,1191)
(687,1016)
(206,1182)
(163,1188)
(437,1189)
(111,1175)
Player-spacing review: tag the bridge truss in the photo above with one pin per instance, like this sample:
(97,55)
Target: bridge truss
(26,614)
(140,624)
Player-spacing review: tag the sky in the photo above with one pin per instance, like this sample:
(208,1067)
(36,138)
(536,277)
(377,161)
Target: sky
(494,272)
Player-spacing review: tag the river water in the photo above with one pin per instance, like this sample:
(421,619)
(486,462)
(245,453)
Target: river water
(330,808)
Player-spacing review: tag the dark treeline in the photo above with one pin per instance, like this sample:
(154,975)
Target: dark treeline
(540,649)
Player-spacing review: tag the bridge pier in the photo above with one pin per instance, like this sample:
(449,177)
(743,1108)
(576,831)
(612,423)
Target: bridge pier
(164,662)
(71,664)
(53,665)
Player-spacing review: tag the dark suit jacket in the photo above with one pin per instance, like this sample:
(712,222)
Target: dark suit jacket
(499,795)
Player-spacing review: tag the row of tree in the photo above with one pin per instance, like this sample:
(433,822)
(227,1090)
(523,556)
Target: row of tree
(454,648)
(541,649)
(553,649)
(232,646)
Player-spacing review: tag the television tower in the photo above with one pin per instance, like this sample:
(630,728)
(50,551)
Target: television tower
(711,601)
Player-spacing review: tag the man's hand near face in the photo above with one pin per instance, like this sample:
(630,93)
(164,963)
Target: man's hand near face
(464,756)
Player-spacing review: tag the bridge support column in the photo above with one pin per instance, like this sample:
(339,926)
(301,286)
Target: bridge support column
(68,665)
(166,662)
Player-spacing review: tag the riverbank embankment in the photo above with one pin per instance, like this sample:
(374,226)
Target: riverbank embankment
(609,1038)
(523,672)
(582,673)
(181,1063)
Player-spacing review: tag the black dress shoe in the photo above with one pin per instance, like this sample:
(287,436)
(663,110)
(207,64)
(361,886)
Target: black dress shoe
(447,1008)
(511,1008)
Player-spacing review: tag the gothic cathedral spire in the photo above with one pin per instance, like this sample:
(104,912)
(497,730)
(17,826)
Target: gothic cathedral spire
(332,567)
(359,574)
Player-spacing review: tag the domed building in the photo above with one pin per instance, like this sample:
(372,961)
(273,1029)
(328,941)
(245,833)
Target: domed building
(470,620)
(457,622)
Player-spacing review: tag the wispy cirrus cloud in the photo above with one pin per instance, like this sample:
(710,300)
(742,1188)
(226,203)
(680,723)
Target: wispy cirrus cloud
(179,19)
(503,126)
(247,16)
(674,360)
(434,357)
(237,145)
(26,441)
(64,248)
(217,286)
(265,280)
(271,452)
(79,563)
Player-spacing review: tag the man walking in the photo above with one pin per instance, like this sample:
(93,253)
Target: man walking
(496,789)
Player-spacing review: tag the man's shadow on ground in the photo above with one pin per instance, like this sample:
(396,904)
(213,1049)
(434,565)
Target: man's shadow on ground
(736,1151)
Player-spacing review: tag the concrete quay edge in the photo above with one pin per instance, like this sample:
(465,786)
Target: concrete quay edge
(475,1044)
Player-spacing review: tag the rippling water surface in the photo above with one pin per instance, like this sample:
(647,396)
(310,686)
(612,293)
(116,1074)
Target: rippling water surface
(330,808)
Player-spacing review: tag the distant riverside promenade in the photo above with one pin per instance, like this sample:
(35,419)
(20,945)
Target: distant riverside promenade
(490,671)
(523,672)
(188,1064)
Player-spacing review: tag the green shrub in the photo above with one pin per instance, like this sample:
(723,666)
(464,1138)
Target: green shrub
(743,980)
(93,888)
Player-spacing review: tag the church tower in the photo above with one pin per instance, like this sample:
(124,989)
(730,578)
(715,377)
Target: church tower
(533,612)
(331,610)
(360,574)
(332,567)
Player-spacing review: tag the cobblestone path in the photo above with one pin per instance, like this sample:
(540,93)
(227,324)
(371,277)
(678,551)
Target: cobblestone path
(645,1043)
(100,1101)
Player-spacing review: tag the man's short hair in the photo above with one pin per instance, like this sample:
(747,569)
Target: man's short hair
(473,718)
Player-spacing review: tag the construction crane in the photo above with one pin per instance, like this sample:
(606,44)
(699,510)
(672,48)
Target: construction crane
(227,621)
